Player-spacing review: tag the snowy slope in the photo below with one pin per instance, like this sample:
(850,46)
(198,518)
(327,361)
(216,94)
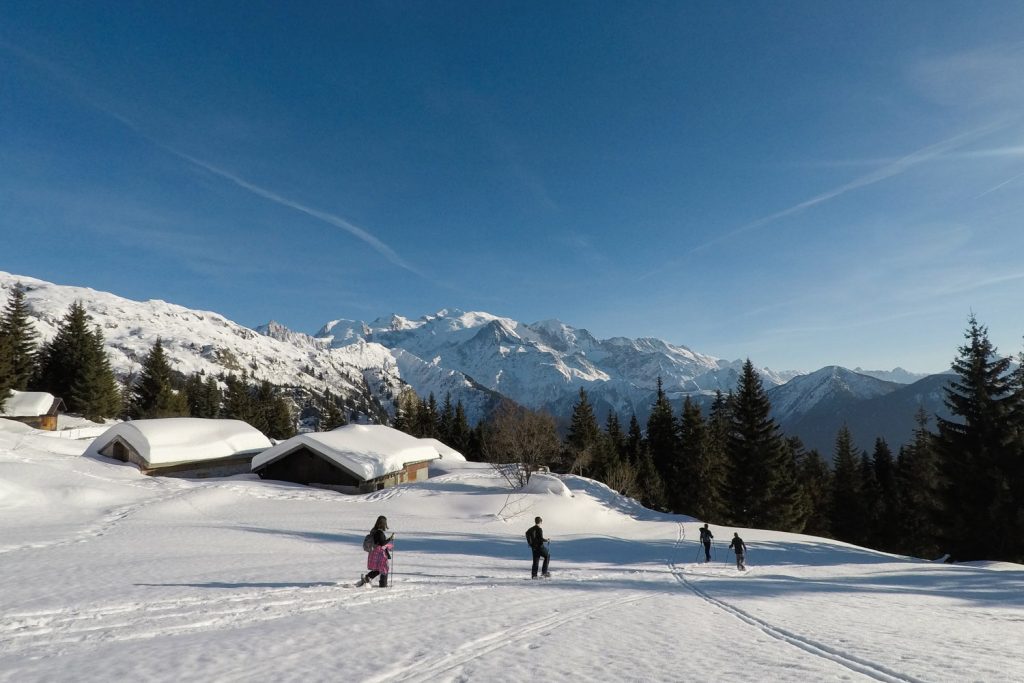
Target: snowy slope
(111,575)
(831,388)
(202,341)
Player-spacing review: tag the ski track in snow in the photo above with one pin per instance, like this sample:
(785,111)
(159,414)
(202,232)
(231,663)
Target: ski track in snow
(867,668)
(431,668)
(51,632)
(99,528)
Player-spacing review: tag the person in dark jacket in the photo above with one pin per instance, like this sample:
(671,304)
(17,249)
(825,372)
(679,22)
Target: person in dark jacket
(705,538)
(535,537)
(378,560)
(740,547)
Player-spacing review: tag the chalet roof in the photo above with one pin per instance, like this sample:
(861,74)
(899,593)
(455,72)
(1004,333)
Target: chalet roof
(30,404)
(446,451)
(366,451)
(177,440)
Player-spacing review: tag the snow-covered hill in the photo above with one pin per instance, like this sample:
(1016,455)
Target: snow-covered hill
(828,390)
(112,575)
(207,342)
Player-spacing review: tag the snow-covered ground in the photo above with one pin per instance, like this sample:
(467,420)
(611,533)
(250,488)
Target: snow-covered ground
(111,575)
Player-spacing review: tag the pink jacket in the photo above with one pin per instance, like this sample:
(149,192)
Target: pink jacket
(377,559)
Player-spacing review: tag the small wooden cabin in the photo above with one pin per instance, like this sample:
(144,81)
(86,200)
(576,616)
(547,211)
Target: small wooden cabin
(37,409)
(351,459)
(183,446)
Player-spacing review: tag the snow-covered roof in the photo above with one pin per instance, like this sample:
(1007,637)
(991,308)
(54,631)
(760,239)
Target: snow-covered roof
(446,451)
(366,451)
(27,404)
(176,440)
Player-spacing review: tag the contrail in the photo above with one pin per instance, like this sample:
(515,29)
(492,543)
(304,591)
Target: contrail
(887,171)
(60,75)
(1000,185)
(329,218)
(890,170)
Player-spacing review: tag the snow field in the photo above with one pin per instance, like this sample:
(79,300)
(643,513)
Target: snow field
(111,575)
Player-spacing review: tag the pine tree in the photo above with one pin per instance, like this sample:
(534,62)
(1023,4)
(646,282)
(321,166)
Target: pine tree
(238,402)
(6,374)
(649,483)
(634,443)
(331,414)
(95,391)
(428,418)
(663,443)
(716,441)
(1015,469)
(870,496)
(154,395)
(203,396)
(583,440)
(887,509)
(446,419)
(917,477)
(613,429)
(65,358)
(847,508)
(816,483)
(762,490)
(271,413)
(692,482)
(610,452)
(461,434)
(977,450)
(18,341)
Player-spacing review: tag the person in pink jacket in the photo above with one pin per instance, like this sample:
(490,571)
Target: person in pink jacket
(378,560)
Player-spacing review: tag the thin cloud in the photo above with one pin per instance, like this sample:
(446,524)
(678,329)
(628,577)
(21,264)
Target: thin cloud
(329,218)
(1000,185)
(889,170)
(60,75)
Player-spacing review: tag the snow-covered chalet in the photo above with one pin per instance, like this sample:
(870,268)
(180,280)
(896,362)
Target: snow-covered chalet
(351,459)
(183,446)
(35,408)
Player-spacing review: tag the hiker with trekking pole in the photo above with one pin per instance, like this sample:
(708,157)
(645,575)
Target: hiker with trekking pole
(538,546)
(705,538)
(740,548)
(379,547)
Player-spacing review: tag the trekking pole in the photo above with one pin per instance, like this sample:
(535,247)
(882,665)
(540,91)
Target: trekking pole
(700,548)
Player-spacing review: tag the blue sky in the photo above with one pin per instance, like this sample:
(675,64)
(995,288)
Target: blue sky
(799,183)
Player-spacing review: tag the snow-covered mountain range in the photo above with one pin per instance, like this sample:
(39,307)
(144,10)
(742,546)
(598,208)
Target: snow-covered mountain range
(544,364)
(475,357)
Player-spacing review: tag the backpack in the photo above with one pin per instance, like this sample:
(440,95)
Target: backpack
(368,542)
(531,534)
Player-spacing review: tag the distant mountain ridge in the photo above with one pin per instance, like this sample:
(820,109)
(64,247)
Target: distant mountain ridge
(477,358)
(544,364)
(815,406)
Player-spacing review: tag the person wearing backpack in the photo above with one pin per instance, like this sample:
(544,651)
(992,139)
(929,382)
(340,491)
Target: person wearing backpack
(741,549)
(378,560)
(705,538)
(535,537)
